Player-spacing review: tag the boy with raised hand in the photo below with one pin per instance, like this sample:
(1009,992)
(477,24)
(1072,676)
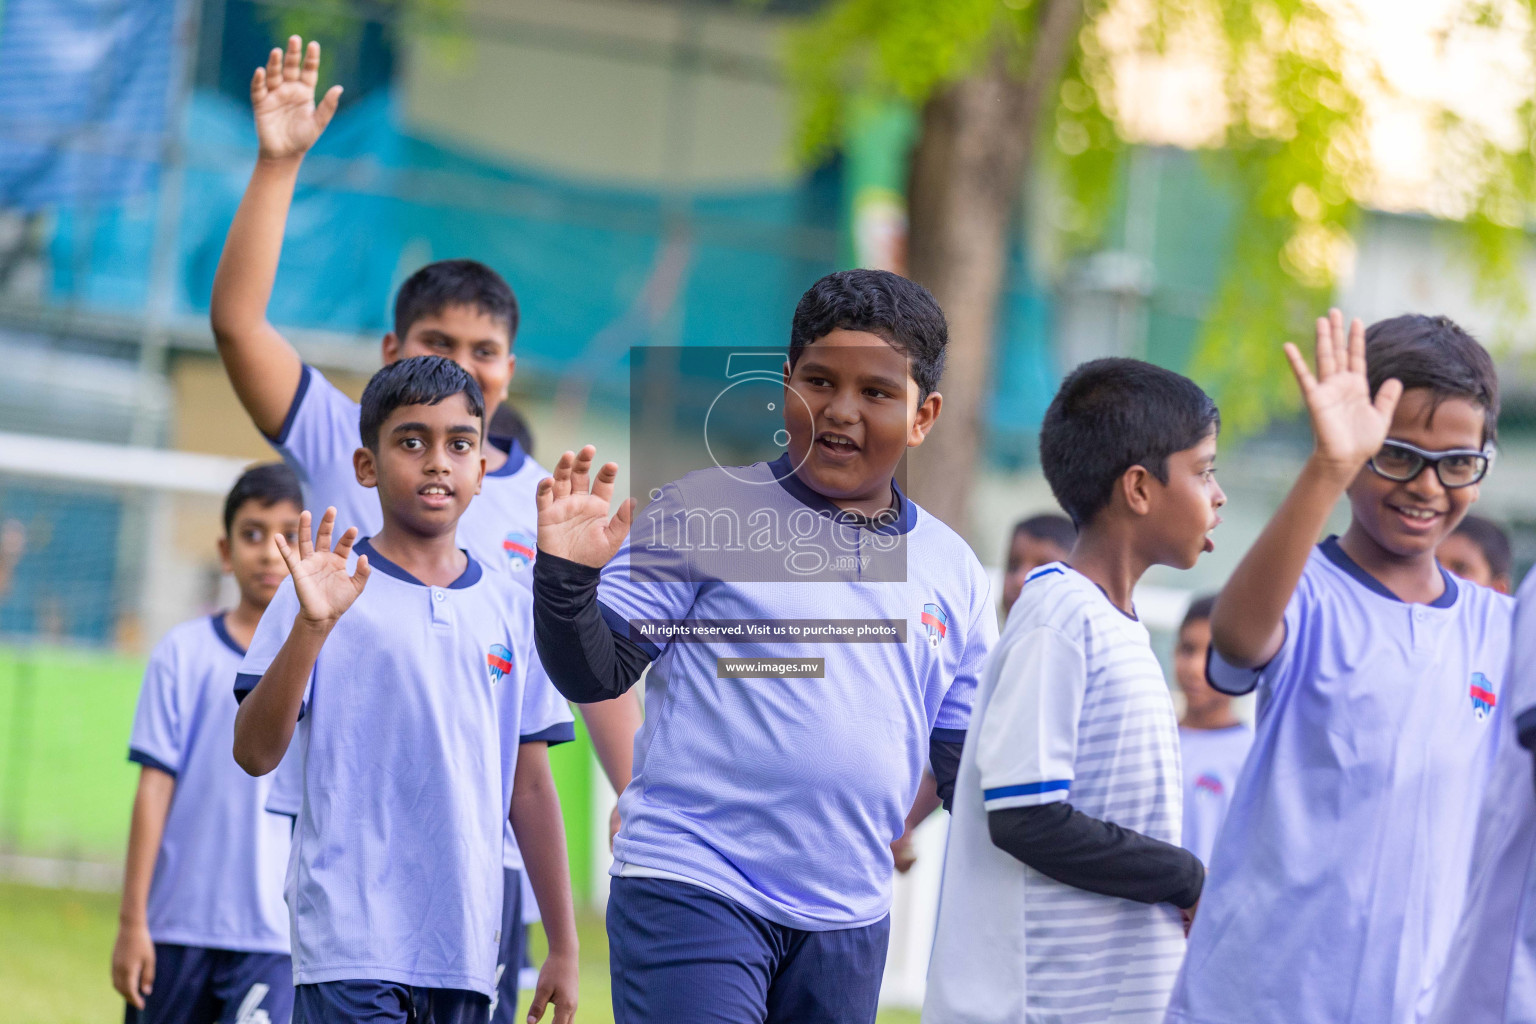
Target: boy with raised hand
(1065,893)
(1213,743)
(1478,552)
(1490,975)
(753,870)
(203,935)
(459,309)
(409,698)
(1341,869)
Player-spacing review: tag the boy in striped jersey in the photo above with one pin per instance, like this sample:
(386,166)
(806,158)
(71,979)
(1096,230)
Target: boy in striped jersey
(1066,894)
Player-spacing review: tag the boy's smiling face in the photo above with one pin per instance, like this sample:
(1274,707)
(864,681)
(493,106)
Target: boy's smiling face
(858,415)
(428,466)
(1409,520)
(475,340)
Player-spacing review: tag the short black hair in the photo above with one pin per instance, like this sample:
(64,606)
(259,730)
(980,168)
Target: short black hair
(878,302)
(1433,352)
(420,380)
(1110,415)
(1491,540)
(445,283)
(1199,610)
(1051,527)
(266,484)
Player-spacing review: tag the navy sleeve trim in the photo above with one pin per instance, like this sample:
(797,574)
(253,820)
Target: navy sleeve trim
(560,732)
(149,761)
(245,682)
(1525,728)
(1210,657)
(281,437)
(947,736)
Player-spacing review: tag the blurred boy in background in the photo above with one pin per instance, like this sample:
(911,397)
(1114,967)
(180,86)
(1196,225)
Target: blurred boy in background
(1478,551)
(1213,743)
(203,933)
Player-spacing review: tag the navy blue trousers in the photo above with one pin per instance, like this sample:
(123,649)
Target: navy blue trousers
(197,985)
(387,1002)
(680,954)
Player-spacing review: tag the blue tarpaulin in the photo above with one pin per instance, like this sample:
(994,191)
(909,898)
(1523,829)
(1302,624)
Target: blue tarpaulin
(84,91)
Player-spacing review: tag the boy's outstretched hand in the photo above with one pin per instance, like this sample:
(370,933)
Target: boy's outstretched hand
(320,578)
(573,517)
(288,121)
(1349,427)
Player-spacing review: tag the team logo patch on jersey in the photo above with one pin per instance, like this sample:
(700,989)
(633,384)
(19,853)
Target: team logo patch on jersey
(498,662)
(936,622)
(521,550)
(1483,697)
(1208,783)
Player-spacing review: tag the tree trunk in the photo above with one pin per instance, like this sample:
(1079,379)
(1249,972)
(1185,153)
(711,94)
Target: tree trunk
(968,170)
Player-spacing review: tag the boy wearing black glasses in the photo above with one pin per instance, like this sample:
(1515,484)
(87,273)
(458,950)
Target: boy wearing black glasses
(1338,879)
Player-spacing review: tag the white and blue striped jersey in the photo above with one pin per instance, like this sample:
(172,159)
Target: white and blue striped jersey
(1073,706)
(218,878)
(1213,759)
(499,529)
(1339,876)
(1490,974)
(408,743)
(775,767)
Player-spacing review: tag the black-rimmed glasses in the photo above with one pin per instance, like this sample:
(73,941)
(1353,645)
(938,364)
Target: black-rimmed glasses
(1458,467)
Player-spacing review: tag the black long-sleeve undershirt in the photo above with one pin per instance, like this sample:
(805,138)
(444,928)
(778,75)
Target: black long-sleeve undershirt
(1099,856)
(588,661)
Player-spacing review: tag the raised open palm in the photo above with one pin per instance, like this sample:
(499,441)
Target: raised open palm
(288,121)
(1348,424)
(320,578)
(573,517)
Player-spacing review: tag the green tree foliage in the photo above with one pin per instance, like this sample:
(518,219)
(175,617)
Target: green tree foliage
(1292,149)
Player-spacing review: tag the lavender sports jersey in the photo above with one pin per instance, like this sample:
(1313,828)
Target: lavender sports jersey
(1490,976)
(1353,819)
(499,529)
(218,878)
(409,741)
(782,788)
(1213,759)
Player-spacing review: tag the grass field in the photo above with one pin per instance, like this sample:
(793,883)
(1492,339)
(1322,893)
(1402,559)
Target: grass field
(56,948)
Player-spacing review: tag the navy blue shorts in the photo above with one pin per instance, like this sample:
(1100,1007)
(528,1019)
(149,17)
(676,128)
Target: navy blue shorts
(514,944)
(680,954)
(387,1002)
(195,985)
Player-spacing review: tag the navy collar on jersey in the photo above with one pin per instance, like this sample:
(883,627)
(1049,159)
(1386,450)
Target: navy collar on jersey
(515,454)
(468,578)
(1336,554)
(223,632)
(899,519)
